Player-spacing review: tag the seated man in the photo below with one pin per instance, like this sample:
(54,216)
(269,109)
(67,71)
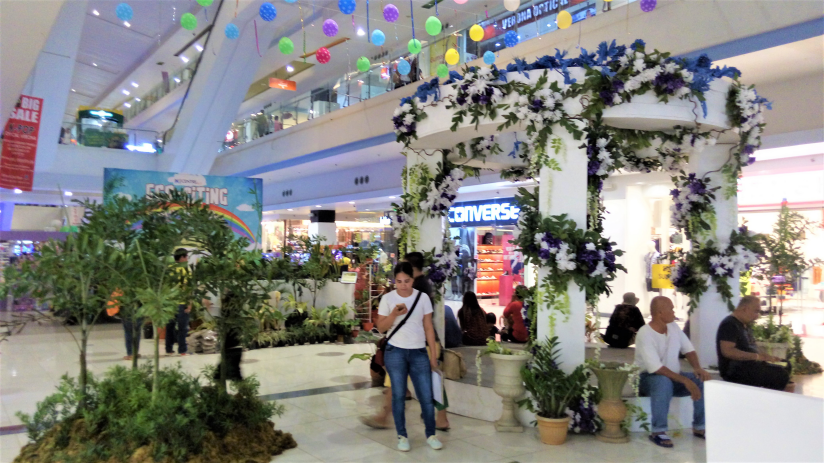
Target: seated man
(657,346)
(739,359)
(624,323)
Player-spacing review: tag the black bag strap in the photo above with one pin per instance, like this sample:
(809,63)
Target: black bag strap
(403,322)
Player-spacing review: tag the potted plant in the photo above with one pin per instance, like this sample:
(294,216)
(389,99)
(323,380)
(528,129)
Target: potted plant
(552,391)
(611,408)
(774,339)
(508,384)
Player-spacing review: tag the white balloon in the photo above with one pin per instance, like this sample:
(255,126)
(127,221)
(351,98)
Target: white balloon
(512,5)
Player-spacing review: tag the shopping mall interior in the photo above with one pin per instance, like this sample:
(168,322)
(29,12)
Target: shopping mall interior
(550,168)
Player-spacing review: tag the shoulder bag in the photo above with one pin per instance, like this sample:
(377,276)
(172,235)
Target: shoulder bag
(385,340)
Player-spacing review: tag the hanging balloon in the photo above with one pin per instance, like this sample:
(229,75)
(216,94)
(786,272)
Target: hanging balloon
(188,21)
(461,2)
(512,5)
(648,5)
(363,64)
(231,31)
(346,6)
(443,71)
(330,28)
(476,33)
(378,37)
(564,20)
(323,55)
(414,46)
(511,39)
(204,3)
(452,57)
(391,13)
(489,58)
(433,25)
(124,12)
(291,1)
(286,46)
(404,68)
(268,12)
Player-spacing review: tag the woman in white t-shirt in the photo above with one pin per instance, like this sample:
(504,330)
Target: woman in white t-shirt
(406,354)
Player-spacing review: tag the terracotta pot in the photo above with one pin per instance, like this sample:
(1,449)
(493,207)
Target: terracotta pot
(367,326)
(161,333)
(553,431)
(509,385)
(355,332)
(611,409)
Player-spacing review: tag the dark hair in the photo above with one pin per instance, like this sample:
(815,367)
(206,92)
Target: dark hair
(473,308)
(415,258)
(491,318)
(516,295)
(180,253)
(403,267)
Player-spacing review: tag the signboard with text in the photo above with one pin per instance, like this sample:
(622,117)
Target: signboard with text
(502,211)
(20,137)
(283,84)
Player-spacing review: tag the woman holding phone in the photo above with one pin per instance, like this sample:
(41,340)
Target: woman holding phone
(406,315)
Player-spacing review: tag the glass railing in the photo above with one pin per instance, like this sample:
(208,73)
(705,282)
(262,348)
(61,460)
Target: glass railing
(179,78)
(107,136)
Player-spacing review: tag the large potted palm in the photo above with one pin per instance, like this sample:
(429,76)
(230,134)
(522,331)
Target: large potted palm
(552,391)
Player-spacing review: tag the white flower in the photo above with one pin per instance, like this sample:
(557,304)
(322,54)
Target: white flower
(590,246)
(670,67)
(406,107)
(408,119)
(638,65)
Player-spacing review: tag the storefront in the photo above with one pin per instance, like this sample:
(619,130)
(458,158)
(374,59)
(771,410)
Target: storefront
(489,265)
(276,233)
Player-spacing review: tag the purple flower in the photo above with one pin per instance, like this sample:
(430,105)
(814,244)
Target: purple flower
(606,95)
(618,85)
(461,100)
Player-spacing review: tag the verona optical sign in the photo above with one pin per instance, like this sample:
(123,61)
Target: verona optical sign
(488,212)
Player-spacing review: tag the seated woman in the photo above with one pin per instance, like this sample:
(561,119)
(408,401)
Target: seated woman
(473,321)
(625,321)
(514,327)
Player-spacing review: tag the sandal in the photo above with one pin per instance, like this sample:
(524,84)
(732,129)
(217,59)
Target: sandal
(372,422)
(661,440)
(700,434)
(446,429)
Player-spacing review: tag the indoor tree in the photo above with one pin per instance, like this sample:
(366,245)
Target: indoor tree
(319,268)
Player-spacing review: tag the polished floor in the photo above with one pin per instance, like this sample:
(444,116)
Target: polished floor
(323,395)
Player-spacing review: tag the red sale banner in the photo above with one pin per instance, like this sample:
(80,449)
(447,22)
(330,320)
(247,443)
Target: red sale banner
(20,144)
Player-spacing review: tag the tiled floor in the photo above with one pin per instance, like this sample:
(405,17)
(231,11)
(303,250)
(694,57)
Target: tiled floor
(325,425)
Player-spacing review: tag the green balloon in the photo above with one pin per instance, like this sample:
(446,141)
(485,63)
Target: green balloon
(443,71)
(204,3)
(286,46)
(433,25)
(188,21)
(414,46)
(363,64)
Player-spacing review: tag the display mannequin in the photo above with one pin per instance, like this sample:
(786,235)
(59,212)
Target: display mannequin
(650,258)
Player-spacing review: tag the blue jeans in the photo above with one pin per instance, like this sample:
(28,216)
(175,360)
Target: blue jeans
(661,390)
(132,328)
(413,363)
(182,322)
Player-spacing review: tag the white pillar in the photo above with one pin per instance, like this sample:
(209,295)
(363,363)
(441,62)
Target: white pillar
(638,224)
(327,231)
(431,232)
(711,308)
(565,192)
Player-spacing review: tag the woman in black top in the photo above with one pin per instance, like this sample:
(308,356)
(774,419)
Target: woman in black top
(625,321)
(473,321)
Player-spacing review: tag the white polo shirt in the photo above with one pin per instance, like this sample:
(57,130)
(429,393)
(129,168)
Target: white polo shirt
(654,350)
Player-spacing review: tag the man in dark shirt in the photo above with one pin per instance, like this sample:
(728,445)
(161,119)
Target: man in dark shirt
(624,323)
(421,282)
(739,359)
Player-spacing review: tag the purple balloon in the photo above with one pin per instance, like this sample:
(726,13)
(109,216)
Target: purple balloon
(648,5)
(391,13)
(330,28)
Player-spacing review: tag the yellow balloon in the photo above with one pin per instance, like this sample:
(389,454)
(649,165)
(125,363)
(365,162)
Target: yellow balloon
(476,33)
(452,56)
(564,20)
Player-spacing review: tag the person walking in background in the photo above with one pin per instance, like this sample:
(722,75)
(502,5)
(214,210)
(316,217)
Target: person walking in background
(514,326)
(178,327)
(473,321)
(624,323)
(469,274)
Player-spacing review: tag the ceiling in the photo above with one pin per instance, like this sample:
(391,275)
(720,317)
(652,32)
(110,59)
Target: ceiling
(781,63)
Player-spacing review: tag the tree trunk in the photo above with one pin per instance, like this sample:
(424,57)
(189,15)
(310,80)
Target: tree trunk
(137,331)
(84,339)
(156,375)
(223,366)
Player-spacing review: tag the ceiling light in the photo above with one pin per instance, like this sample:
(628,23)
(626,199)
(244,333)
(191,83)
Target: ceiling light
(789,151)
(74,90)
(136,99)
(134,84)
(497,44)
(367,209)
(351,202)
(318,205)
(289,68)
(160,140)
(184,59)
(67,193)
(198,47)
(95,12)
(125,92)
(126,23)
(17,191)
(290,209)
(94,64)
(361,32)
(177,79)
(391,197)
(128,105)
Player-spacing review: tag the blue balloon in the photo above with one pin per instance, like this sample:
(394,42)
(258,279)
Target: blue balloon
(231,31)
(378,37)
(124,12)
(404,68)
(268,12)
(489,58)
(346,6)
(511,39)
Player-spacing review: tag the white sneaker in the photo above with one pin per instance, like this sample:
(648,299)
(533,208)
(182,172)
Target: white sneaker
(434,443)
(403,444)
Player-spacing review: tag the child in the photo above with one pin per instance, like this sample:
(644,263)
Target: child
(490,322)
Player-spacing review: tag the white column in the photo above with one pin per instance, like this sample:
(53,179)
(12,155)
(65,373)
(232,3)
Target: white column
(565,192)
(326,230)
(711,308)
(431,232)
(638,222)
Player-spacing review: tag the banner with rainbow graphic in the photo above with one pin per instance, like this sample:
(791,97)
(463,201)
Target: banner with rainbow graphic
(239,200)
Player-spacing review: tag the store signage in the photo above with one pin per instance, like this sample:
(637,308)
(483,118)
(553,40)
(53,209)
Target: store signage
(283,84)
(20,137)
(536,12)
(349,277)
(101,114)
(489,212)
(385,221)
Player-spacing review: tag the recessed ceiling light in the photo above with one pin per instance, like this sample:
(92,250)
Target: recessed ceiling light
(125,92)
(67,193)
(289,68)
(367,209)
(361,32)
(184,59)
(351,202)
(391,197)
(128,105)
(497,44)
(318,205)
(74,90)
(198,47)
(94,64)
(17,191)
(177,79)
(134,84)
(95,12)
(126,23)
(136,99)
(290,209)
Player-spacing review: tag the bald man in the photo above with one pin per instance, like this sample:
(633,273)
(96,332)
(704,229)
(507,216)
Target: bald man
(657,346)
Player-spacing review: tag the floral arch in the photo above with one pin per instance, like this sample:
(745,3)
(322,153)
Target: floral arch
(571,123)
